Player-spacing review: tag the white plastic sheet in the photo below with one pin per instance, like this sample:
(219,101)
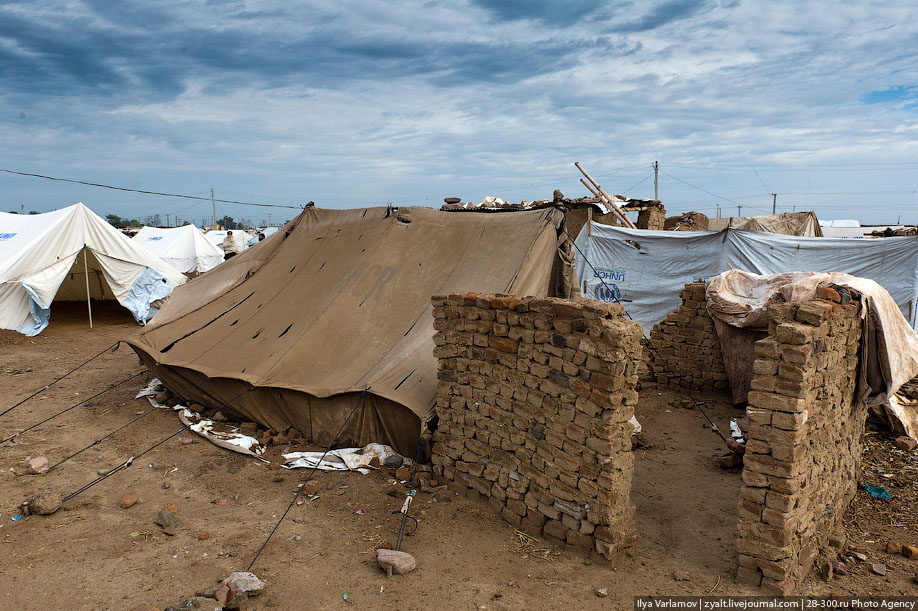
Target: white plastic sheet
(646,269)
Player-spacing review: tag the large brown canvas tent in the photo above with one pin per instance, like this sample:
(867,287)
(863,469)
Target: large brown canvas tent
(290,332)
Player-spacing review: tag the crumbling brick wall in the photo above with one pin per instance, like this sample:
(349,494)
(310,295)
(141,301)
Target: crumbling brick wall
(688,342)
(804,445)
(534,401)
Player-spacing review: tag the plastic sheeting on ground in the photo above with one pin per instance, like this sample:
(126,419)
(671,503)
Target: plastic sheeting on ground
(889,345)
(342,459)
(646,269)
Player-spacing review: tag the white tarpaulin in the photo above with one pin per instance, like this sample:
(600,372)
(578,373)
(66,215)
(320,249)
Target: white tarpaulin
(646,269)
(184,248)
(53,255)
(889,344)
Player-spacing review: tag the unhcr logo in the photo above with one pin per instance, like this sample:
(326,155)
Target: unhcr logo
(607,292)
(6,236)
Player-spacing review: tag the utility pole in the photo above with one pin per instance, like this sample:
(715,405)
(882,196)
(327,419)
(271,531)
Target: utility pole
(21,208)
(739,210)
(656,168)
(718,210)
(774,202)
(214,203)
(167,220)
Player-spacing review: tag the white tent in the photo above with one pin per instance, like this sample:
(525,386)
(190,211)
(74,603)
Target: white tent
(239,236)
(185,248)
(70,254)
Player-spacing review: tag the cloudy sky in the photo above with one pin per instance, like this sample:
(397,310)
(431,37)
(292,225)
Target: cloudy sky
(354,103)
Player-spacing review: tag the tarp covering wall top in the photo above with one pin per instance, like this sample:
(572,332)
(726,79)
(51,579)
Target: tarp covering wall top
(889,345)
(184,248)
(336,302)
(788,223)
(647,269)
(38,253)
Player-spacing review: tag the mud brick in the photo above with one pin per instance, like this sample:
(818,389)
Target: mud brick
(555,529)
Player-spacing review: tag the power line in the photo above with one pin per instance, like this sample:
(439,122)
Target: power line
(103,186)
(726,199)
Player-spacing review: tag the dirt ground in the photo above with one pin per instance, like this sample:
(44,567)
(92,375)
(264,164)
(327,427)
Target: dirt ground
(94,555)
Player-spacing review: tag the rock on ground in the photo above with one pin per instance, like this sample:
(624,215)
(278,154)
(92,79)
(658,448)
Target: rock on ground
(242,585)
(44,503)
(166,520)
(399,562)
(39,465)
(906,443)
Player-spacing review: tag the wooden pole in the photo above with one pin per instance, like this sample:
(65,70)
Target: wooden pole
(590,221)
(86,271)
(606,198)
(624,220)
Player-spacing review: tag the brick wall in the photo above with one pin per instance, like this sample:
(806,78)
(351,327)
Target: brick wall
(804,443)
(534,401)
(688,342)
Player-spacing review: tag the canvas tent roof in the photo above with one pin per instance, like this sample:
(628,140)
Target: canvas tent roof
(787,223)
(184,248)
(647,269)
(290,332)
(43,257)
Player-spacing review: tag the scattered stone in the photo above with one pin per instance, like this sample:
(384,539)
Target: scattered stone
(906,443)
(163,396)
(394,462)
(397,490)
(893,547)
(218,416)
(839,568)
(403,473)
(311,487)
(44,503)
(731,461)
(392,561)
(103,471)
(203,535)
(166,485)
(602,592)
(128,500)
(248,428)
(242,585)
(827,571)
(187,441)
(879,568)
(910,551)
(167,521)
(681,576)
(861,557)
(39,465)
(170,506)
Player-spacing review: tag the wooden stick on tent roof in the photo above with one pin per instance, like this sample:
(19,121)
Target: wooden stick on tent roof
(606,198)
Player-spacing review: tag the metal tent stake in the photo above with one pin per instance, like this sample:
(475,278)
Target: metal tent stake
(86,271)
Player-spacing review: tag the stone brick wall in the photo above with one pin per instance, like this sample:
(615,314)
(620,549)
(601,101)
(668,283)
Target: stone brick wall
(534,401)
(804,445)
(688,342)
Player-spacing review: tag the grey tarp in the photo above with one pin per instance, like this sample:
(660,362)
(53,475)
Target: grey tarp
(646,269)
(289,333)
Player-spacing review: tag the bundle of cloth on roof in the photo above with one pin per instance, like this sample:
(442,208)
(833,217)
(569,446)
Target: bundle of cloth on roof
(292,332)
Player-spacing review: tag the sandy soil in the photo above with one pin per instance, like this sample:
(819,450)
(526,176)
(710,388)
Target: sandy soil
(94,555)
